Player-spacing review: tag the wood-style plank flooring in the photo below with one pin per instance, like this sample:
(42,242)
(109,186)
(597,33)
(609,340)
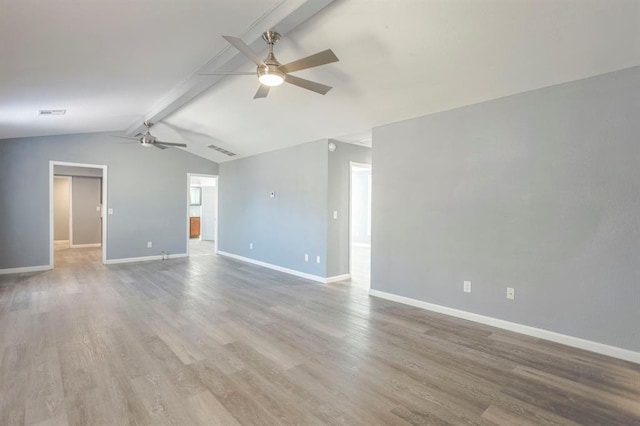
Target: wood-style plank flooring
(212,341)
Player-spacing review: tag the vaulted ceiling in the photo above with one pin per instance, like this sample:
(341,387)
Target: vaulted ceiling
(113,63)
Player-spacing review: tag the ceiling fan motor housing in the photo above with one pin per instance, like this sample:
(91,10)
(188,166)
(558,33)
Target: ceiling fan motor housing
(269,74)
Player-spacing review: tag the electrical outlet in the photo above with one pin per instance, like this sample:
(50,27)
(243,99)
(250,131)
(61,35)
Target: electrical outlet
(317,259)
(110,211)
(149,244)
(467,287)
(306,257)
(511,293)
(250,246)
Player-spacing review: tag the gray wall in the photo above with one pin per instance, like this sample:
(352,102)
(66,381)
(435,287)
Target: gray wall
(338,229)
(538,191)
(86,225)
(146,188)
(282,228)
(61,192)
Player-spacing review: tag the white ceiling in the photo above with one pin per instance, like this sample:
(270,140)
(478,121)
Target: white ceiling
(112,62)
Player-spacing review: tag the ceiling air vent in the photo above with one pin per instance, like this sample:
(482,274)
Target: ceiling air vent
(222,150)
(52,112)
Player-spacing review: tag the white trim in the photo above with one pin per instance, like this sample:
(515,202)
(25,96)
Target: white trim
(337,278)
(103,214)
(215,242)
(564,339)
(85,245)
(144,258)
(25,269)
(352,165)
(311,277)
(365,245)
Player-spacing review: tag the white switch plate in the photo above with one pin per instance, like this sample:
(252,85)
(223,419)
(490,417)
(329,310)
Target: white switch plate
(511,293)
(335,214)
(110,211)
(149,244)
(98,208)
(467,287)
(250,246)
(306,257)
(317,259)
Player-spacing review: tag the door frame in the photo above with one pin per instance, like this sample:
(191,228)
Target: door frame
(187,223)
(102,210)
(352,165)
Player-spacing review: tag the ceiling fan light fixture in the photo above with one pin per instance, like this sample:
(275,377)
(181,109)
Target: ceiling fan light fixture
(270,76)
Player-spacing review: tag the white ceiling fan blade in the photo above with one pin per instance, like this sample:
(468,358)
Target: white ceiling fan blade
(262,92)
(320,58)
(184,145)
(307,84)
(244,49)
(126,137)
(227,73)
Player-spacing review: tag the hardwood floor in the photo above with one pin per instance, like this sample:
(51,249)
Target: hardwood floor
(212,341)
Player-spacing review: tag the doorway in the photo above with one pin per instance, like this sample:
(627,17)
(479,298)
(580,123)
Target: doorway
(360,224)
(202,214)
(77,194)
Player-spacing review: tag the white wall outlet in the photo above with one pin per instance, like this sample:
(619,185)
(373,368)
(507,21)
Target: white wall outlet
(272,194)
(511,293)
(250,246)
(317,259)
(110,211)
(306,257)
(335,214)
(467,287)
(149,244)
(97,208)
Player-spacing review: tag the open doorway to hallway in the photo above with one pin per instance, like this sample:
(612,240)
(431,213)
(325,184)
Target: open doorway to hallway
(360,225)
(77,194)
(202,229)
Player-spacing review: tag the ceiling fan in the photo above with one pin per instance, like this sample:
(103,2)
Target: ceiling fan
(272,73)
(147,139)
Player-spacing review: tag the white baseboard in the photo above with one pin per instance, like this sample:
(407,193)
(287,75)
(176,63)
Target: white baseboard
(85,245)
(144,258)
(564,339)
(61,241)
(25,269)
(337,278)
(311,277)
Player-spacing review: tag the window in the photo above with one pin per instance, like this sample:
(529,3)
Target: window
(195,196)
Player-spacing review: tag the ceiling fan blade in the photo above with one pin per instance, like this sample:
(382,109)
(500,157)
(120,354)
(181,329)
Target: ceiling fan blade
(307,84)
(159,146)
(171,144)
(320,58)
(227,73)
(244,49)
(126,137)
(262,92)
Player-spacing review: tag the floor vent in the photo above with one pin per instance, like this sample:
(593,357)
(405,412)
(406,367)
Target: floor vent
(222,150)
